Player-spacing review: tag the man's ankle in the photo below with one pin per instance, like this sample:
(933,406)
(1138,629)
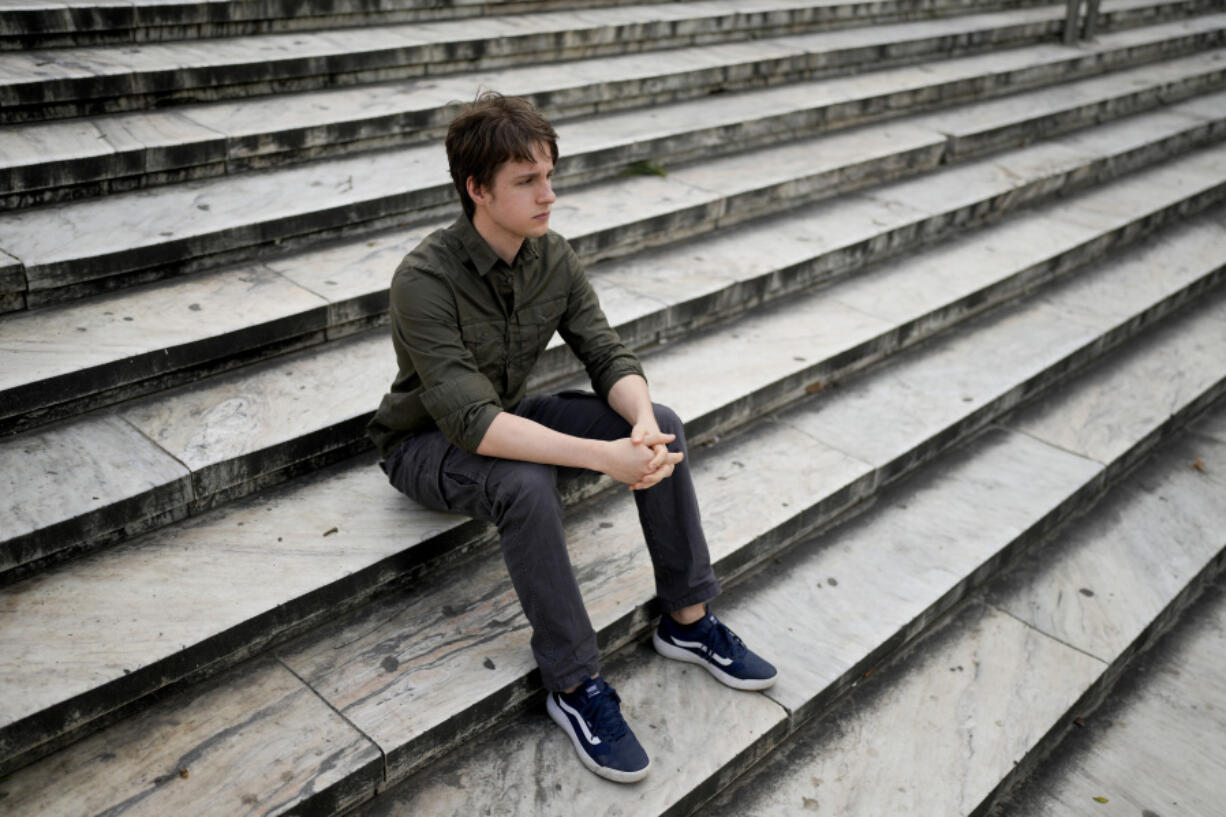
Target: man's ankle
(581,683)
(688,615)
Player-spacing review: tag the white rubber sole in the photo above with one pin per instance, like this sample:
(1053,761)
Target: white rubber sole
(559,717)
(678,654)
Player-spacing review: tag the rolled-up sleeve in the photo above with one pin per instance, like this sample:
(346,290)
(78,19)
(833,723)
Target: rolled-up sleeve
(461,400)
(586,330)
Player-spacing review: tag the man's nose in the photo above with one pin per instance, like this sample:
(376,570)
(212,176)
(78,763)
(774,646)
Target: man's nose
(546,195)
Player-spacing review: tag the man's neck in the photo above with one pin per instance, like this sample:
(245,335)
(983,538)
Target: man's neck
(505,244)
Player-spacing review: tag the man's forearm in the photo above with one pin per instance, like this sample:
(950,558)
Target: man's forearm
(630,399)
(512,437)
(638,464)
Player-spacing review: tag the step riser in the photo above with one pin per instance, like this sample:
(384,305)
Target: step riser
(114,26)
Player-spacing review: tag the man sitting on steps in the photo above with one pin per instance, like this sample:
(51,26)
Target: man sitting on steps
(472,308)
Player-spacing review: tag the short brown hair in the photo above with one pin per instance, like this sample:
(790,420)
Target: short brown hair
(493,130)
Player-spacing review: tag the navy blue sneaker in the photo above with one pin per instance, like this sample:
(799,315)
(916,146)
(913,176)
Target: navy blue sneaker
(710,644)
(592,716)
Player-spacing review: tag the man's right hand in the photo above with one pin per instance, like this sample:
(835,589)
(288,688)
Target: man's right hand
(640,465)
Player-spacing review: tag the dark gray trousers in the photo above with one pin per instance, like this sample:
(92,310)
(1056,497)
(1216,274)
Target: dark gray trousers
(522,500)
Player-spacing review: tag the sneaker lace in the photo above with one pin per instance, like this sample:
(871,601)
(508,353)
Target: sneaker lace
(604,716)
(722,641)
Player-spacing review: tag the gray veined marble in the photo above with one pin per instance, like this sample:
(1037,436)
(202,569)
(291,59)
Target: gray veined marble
(932,734)
(883,573)
(1104,412)
(1160,266)
(1155,747)
(221,429)
(1102,581)
(73,483)
(66,634)
(915,399)
(255,742)
(146,330)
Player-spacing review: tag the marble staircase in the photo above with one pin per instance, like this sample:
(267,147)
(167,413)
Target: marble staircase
(983,281)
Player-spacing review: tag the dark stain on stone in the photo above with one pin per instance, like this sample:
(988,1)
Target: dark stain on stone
(606,524)
(390,664)
(194,307)
(204,207)
(1085,591)
(128,318)
(1147,813)
(250,800)
(488,664)
(832,581)
(452,611)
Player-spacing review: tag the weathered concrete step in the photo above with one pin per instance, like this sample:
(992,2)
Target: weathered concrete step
(51,23)
(977,694)
(993,691)
(54,161)
(191,226)
(1153,747)
(393,671)
(77,81)
(231,433)
(321,570)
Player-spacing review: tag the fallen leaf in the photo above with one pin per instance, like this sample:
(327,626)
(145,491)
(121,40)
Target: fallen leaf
(815,387)
(1079,721)
(1198,465)
(331,531)
(645,168)
(1100,799)
(488,664)
(183,773)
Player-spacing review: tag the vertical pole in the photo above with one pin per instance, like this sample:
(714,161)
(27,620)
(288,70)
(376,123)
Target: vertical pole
(1091,18)
(1070,23)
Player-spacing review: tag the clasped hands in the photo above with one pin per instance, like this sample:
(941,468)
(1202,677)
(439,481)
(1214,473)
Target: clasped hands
(642,459)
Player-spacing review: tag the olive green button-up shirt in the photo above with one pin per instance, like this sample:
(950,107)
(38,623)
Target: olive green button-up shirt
(465,352)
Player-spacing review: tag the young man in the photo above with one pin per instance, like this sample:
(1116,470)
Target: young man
(472,308)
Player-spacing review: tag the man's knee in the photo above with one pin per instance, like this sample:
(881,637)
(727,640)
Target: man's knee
(525,488)
(668,421)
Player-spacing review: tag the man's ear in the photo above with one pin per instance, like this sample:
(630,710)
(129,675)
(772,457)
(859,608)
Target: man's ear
(475,191)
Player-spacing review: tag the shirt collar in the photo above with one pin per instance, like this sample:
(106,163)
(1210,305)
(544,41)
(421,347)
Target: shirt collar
(482,254)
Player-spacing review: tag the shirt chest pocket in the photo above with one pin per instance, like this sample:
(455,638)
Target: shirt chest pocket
(487,341)
(538,322)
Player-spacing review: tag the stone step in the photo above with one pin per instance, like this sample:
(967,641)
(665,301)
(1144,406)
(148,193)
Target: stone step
(62,23)
(149,234)
(992,692)
(227,437)
(1154,745)
(74,357)
(942,729)
(328,559)
(57,161)
(58,83)
(417,671)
